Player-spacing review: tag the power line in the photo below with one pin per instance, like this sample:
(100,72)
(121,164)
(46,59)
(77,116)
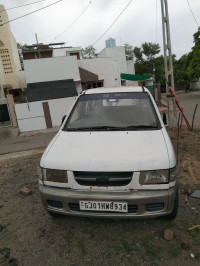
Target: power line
(113,22)
(22,5)
(192,13)
(30,13)
(73,22)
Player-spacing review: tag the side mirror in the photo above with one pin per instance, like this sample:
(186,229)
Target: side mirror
(164,118)
(63,119)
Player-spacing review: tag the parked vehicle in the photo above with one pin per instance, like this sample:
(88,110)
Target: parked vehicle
(112,157)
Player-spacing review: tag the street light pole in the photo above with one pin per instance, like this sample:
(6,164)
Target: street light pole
(169,74)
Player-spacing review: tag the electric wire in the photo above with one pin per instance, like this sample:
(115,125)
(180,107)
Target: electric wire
(192,13)
(112,23)
(73,22)
(22,5)
(30,13)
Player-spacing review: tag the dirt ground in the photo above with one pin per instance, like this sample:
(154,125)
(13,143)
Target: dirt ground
(29,236)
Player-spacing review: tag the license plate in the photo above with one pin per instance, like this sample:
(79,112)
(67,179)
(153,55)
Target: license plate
(105,206)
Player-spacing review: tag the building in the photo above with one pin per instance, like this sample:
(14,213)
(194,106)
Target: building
(62,63)
(37,51)
(103,70)
(10,66)
(106,71)
(11,74)
(89,79)
(110,43)
(53,84)
(67,51)
(52,78)
(120,64)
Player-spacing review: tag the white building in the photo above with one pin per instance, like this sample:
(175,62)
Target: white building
(67,51)
(104,70)
(47,70)
(9,58)
(109,65)
(117,54)
(52,85)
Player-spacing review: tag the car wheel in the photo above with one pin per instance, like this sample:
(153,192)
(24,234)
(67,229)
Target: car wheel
(174,212)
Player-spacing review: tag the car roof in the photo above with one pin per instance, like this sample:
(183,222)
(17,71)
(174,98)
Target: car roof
(116,89)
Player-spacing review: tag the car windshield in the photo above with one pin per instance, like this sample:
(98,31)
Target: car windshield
(113,111)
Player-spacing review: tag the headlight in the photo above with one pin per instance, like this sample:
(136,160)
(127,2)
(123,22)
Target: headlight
(173,173)
(154,177)
(52,175)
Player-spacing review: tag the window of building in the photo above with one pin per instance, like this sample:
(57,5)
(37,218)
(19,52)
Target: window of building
(99,84)
(7,66)
(77,55)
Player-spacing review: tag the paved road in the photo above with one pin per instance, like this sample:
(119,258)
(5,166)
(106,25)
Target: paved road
(188,101)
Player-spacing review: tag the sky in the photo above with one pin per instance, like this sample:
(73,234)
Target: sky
(140,22)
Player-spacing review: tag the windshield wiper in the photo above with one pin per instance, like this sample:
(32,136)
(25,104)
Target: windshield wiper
(113,128)
(142,126)
(107,128)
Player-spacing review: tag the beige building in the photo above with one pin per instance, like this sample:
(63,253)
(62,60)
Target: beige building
(10,66)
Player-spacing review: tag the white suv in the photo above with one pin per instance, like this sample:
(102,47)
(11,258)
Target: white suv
(112,157)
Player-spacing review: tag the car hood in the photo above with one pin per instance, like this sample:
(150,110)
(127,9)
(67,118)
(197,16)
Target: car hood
(107,151)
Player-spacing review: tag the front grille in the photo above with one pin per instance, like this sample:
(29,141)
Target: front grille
(154,207)
(75,207)
(102,179)
(55,204)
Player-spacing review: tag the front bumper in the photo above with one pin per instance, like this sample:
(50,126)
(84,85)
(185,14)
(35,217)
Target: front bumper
(148,203)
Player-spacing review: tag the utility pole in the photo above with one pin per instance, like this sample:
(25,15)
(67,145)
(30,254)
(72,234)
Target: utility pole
(169,74)
(37,45)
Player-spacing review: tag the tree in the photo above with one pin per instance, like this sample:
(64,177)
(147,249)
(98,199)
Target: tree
(187,68)
(150,50)
(197,37)
(138,54)
(181,77)
(88,52)
(158,63)
(147,60)
(194,66)
(144,67)
(131,52)
(128,51)
(193,69)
